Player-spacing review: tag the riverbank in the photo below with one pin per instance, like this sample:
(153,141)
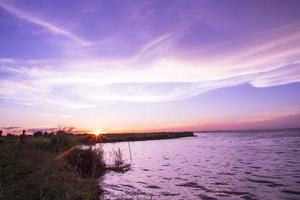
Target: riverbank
(36,170)
(125,137)
(52,167)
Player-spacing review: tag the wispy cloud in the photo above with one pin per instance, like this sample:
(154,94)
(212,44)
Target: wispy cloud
(158,47)
(154,73)
(48,26)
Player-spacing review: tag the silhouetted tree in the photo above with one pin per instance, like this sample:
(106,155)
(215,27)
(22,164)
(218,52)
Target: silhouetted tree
(46,134)
(51,134)
(37,134)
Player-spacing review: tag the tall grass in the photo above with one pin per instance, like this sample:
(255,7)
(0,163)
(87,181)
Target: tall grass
(32,170)
(59,142)
(36,174)
(118,157)
(86,162)
(53,167)
(119,164)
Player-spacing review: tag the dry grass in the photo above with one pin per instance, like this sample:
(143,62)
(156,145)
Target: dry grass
(30,171)
(119,164)
(86,162)
(53,168)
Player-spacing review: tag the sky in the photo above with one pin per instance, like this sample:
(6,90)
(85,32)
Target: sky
(135,65)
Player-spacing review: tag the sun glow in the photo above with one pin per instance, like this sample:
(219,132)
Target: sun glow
(97,132)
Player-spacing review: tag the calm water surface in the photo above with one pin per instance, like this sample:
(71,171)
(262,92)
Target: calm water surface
(245,165)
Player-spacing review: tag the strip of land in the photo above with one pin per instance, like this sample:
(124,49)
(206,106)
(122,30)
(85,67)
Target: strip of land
(124,137)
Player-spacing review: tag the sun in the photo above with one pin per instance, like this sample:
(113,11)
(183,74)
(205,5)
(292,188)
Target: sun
(97,132)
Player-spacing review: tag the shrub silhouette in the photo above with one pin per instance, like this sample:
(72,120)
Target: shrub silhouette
(37,134)
(118,158)
(61,141)
(86,162)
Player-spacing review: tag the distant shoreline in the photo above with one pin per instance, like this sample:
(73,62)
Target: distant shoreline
(248,130)
(128,137)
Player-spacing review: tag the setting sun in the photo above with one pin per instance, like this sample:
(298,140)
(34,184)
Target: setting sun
(97,132)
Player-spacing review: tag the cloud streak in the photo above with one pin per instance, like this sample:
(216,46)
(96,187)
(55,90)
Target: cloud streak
(155,72)
(51,28)
(72,86)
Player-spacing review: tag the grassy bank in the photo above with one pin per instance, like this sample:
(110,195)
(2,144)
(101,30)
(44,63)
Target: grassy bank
(52,167)
(38,169)
(123,137)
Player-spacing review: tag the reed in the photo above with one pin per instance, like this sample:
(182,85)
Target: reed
(32,170)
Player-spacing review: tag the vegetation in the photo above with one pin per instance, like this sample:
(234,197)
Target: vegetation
(50,167)
(35,174)
(85,162)
(123,137)
(119,164)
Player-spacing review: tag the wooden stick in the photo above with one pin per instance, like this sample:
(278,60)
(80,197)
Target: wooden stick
(130,152)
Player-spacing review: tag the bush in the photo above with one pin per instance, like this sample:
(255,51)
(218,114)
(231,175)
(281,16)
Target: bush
(86,162)
(38,133)
(61,141)
(118,158)
(119,164)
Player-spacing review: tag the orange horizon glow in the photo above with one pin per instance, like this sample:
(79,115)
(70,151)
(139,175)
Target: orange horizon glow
(285,118)
(97,132)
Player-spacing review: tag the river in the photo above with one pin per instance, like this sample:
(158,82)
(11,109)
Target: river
(221,165)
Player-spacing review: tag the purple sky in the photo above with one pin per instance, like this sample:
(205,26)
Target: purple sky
(150,65)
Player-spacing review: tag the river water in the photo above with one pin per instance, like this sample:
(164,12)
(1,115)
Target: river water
(223,165)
